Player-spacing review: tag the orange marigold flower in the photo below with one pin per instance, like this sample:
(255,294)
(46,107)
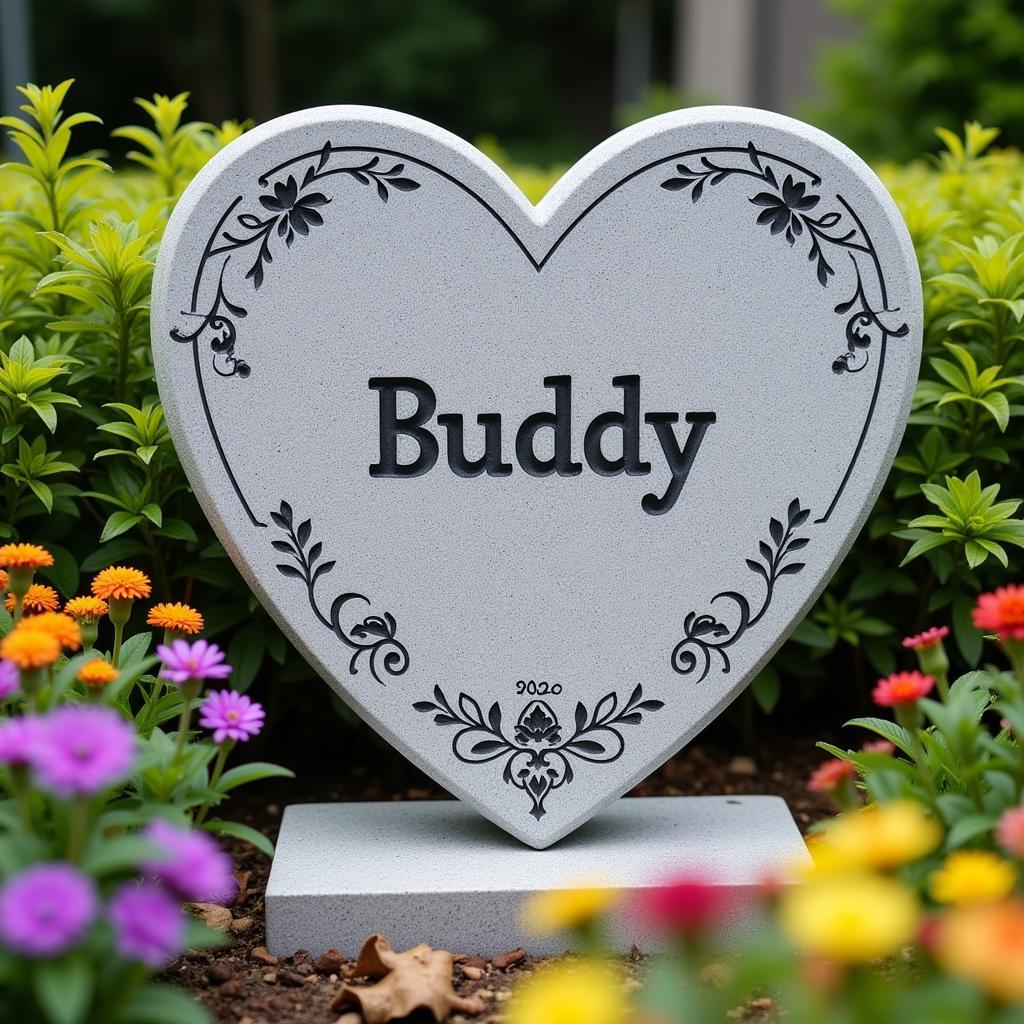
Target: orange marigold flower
(830,775)
(97,672)
(30,648)
(178,618)
(121,583)
(902,688)
(5,580)
(61,626)
(85,607)
(1002,612)
(24,556)
(929,638)
(985,944)
(38,598)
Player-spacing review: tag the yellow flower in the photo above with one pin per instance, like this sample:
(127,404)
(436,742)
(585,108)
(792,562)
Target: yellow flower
(62,627)
(880,836)
(578,993)
(38,598)
(985,945)
(972,876)
(24,556)
(97,673)
(30,648)
(560,909)
(85,607)
(850,918)
(121,583)
(178,618)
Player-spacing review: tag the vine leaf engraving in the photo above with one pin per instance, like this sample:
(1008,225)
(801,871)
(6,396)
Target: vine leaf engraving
(375,637)
(785,209)
(539,755)
(706,634)
(290,211)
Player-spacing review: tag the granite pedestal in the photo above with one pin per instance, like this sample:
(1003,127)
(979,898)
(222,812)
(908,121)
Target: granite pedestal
(437,872)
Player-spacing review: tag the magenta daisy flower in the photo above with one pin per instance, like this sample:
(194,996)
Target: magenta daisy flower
(231,715)
(191,864)
(46,909)
(82,749)
(18,740)
(9,679)
(148,923)
(198,661)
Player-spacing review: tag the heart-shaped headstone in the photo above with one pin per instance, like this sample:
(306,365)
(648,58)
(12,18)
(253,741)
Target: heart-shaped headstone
(538,490)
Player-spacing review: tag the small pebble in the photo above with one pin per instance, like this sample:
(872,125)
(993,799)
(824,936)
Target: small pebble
(473,973)
(262,955)
(270,978)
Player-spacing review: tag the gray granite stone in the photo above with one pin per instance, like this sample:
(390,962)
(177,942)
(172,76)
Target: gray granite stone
(725,300)
(434,872)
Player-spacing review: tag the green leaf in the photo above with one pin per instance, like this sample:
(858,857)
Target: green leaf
(118,523)
(134,649)
(158,1004)
(239,831)
(894,733)
(118,855)
(767,688)
(252,772)
(964,830)
(968,639)
(63,988)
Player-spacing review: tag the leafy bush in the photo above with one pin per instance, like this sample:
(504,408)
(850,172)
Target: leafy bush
(104,827)
(912,66)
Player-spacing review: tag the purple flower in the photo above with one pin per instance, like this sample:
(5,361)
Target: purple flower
(46,909)
(231,715)
(9,679)
(82,749)
(192,864)
(18,740)
(148,923)
(186,662)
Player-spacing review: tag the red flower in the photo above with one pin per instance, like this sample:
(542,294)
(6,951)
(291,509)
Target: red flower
(1002,612)
(684,905)
(830,775)
(929,638)
(902,688)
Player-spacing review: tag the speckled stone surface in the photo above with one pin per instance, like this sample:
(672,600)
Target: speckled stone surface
(537,490)
(435,872)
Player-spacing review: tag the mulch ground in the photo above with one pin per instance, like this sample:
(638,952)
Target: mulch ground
(243,984)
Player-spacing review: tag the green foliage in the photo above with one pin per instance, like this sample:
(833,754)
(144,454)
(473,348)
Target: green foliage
(922,64)
(85,455)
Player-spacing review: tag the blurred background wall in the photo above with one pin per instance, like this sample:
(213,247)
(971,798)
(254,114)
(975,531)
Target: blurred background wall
(547,78)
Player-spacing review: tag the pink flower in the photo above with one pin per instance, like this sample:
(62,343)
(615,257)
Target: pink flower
(1010,831)
(902,688)
(929,638)
(685,905)
(879,747)
(9,679)
(830,775)
(191,864)
(82,749)
(231,715)
(148,923)
(18,740)
(1002,612)
(198,661)
(46,909)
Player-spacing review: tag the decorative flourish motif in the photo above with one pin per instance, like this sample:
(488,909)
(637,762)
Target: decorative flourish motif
(374,637)
(786,209)
(706,634)
(291,210)
(537,757)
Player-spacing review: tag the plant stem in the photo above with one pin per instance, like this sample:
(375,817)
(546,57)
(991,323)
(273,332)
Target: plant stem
(78,829)
(218,769)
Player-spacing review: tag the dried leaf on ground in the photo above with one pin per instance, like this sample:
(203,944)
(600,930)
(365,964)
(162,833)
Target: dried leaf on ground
(418,979)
